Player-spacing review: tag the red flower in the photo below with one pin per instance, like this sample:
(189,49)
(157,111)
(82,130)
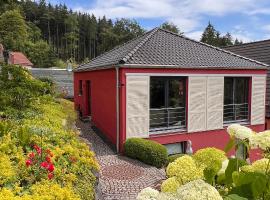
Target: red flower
(31,155)
(38,149)
(28,162)
(50,168)
(48,159)
(50,176)
(44,165)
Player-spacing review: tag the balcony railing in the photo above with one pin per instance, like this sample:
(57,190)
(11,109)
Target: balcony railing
(167,118)
(236,113)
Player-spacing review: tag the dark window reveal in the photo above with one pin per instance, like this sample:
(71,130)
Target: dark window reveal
(80,88)
(167,103)
(236,92)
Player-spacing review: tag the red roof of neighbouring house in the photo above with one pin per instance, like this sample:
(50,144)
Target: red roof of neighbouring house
(18,58)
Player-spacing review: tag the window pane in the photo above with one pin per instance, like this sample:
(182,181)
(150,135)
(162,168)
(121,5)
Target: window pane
(167,102)
(176,93)
(157,92)
(236,91)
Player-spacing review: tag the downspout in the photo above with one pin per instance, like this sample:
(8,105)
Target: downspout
(117,108)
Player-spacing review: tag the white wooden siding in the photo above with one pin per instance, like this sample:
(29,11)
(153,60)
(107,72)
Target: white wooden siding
(197,87)
(137,106)
(215,93)
(258,100)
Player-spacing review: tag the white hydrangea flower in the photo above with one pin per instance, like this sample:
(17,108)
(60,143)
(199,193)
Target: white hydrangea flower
(260,140)
(198,189)
(243,133)
(148,194)
(224,167)
(232,129)
(166,196)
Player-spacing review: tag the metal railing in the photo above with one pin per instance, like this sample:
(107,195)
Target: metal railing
(236,113)
(167,118)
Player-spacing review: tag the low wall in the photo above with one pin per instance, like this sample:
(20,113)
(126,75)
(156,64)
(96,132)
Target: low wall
(62,78)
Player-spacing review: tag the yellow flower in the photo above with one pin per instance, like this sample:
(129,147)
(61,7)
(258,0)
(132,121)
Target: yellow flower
(7,172)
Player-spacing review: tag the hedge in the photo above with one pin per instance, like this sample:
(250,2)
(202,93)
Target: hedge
(147,151)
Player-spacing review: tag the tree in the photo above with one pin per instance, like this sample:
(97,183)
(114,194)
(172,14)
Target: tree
(213,37)
(171,27)
(210,35)
(225,40)
(13,30)
(40,53)
(236,42)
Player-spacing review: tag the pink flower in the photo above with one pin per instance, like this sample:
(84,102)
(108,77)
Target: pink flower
(50,176)
(28,162)
(50,168)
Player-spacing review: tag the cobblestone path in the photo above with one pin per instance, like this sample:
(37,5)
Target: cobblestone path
(120,178)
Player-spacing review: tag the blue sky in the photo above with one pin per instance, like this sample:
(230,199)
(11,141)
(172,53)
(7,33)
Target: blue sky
(248,20)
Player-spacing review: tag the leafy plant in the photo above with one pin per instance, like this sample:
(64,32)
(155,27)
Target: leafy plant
(5,127)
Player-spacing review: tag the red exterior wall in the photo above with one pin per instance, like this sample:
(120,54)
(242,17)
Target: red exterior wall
(216,138)
(103,99)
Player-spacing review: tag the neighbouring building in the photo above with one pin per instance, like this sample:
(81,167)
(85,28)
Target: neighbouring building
(260,51)
(171,89)
(18,58)
(62,78)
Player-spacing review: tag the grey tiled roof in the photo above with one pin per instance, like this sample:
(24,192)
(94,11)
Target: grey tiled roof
(161,48)
(260,51)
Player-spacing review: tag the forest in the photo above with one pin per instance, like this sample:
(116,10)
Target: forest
(51,35)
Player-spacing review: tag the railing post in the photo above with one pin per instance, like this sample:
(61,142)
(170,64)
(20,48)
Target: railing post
(168,117)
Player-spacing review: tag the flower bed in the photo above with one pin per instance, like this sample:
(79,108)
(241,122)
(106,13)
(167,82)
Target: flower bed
(41,155)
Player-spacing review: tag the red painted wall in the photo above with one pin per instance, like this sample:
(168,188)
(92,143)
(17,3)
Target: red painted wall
(103,97)
(216,138)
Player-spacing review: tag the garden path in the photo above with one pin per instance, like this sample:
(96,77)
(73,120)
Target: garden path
(121,178)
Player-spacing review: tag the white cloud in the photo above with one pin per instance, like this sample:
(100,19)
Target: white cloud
(186,14)
(196,35)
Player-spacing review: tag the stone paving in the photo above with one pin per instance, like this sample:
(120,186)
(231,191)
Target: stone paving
(121,178)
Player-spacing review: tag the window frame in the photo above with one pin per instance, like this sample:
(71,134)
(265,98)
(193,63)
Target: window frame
(169,129)
(248,100)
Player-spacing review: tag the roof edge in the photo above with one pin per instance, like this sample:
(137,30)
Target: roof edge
(138,46)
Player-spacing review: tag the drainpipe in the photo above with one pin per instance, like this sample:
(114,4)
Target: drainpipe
(117,108)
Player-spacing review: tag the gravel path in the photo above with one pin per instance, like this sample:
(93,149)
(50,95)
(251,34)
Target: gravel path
(121,178)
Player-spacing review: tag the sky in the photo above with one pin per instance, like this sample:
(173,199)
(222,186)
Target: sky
(247,20)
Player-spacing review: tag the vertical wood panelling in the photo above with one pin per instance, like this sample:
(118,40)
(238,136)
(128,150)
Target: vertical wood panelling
(197,103)
(137,106)
(215,93)
(258,100)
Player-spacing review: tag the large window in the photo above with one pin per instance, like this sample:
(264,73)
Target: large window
(167,103)
(236,92)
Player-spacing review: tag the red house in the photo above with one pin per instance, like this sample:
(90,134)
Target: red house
(170,89)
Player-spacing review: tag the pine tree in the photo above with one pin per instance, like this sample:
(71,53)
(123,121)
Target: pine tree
(210,35)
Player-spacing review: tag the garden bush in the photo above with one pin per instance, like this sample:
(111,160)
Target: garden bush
(147,151)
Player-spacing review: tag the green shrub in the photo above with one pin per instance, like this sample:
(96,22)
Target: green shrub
(147,151)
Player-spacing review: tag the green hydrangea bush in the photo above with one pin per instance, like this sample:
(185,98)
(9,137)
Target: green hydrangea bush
(210,174)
